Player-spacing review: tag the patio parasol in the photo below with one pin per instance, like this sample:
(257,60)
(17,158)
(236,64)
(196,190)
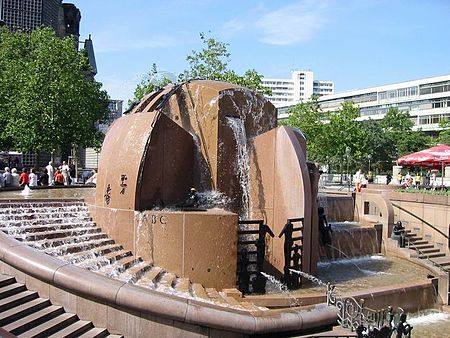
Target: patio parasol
(431,157)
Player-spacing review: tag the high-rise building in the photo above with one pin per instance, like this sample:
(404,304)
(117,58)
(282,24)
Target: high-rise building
(300,87)
(31,14)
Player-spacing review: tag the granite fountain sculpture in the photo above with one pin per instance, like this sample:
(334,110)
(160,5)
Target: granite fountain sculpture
(215,137)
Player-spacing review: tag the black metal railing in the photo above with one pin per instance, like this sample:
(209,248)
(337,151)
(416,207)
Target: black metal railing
(293,250)
(251,253)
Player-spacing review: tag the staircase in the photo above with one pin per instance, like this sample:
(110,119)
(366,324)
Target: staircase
(430,252)
(65,230)
(24,314)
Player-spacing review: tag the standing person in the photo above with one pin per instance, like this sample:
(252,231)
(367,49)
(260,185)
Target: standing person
(72,173)
(33,178)
(358,180)
(65,172)
(24,178)
(50,172)
(44,179)
(388,178)
(417,179)
(14,177)
(7,178)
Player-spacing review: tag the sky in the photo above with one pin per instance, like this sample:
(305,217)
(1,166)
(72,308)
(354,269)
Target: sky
(355,43)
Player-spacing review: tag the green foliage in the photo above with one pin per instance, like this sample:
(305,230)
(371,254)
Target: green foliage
(398,127)
(47,101)
(308,117)
(210,63)
(152,81)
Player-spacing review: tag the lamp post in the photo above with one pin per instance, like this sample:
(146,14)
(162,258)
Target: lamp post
(369,157)
(347,153)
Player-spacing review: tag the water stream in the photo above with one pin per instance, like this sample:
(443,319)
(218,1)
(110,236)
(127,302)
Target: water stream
(243,163)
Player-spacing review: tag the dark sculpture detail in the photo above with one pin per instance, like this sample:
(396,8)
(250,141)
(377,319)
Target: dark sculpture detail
(248,257)
(292,261)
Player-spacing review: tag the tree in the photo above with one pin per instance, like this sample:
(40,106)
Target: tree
(152,81)
(377,145)
(210,63)
(47,102)
(398,127)
(344,134)
(308,117)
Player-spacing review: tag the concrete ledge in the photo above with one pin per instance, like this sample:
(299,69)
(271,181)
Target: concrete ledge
(96,297)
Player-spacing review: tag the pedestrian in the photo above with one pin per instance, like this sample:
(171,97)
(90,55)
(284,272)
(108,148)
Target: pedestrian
(7,178)
(33,178)
(65,172)
(388,178)
(59,178)
(24,178)
(358,180)
(50,172)
(44,179)
(72,173)
(14,177)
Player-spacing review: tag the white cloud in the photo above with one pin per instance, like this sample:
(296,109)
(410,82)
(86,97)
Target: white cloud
(292,24)
(287,25)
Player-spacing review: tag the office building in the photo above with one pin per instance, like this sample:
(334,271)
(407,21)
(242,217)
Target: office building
(427,101)
(31,14)
(300,87)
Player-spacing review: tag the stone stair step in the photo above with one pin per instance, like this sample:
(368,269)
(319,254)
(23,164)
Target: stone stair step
(78,247)
(128,261)
(432,255)
(74,330)
(102,260)
(11,289)
(78,240)
(51,326)
(6,280)
(98,251)
(423,246)
(23,310)
(199,291)
(444,260)
(34,319)
(17,299)
(430,250)
(151,276)
(167,279)
(229,300)
(96,333)
(56,234)
(44,227)
(419,242)
(182,285)
(139,270)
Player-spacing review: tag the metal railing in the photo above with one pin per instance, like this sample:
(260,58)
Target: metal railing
(355,316)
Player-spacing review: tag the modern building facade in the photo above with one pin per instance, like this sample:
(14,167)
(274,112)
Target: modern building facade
(31,14)
(427,101)
(300,87)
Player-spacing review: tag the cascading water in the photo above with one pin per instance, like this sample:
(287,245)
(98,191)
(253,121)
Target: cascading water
(243,162)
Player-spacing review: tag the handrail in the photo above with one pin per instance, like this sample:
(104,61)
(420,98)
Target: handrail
(420,219)
(410,245)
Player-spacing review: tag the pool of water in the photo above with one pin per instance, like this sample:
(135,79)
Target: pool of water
(430,324)
(362,273)
(49,193)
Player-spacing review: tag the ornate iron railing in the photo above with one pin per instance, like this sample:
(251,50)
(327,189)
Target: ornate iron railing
(355,316)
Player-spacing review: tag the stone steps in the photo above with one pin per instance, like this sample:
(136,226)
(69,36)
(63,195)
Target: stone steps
(80,242)
(37,317)
(430,252)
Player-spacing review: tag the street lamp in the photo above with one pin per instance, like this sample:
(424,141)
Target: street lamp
(347,153)
(369,157)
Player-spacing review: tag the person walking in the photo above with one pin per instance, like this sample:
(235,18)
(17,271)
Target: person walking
(65,172)
(50,172)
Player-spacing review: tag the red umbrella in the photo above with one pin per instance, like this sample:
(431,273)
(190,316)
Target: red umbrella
(431,157)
